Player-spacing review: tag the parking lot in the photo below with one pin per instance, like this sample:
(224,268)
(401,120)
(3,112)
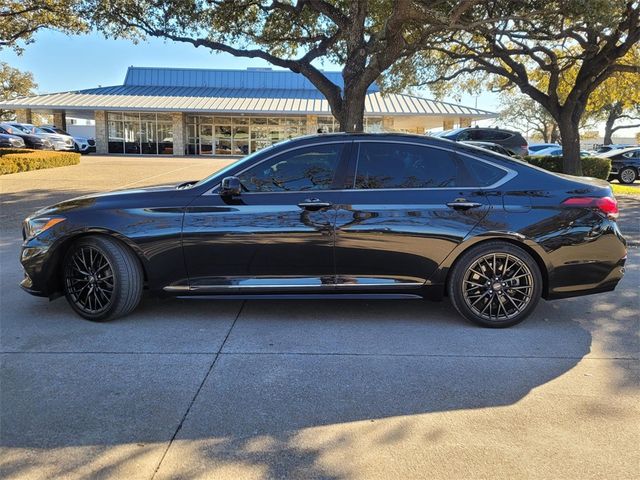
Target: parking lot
(307,389)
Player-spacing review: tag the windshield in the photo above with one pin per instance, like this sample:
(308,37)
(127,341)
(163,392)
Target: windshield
(20,128)
(451,133)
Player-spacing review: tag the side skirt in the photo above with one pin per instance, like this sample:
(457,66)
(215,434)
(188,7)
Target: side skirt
(305,296)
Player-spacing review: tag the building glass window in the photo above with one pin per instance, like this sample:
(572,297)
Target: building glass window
(116,132)
(146,133)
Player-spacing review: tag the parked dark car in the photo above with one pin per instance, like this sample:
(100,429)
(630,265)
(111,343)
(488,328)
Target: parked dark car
(11,141)
(494,147)
(536,147)
(390,215)
(31,141)
(610,147)
(512,141)
(625,164)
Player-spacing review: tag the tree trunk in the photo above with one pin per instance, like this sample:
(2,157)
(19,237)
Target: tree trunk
(570,134)
(614,112)
(351,117)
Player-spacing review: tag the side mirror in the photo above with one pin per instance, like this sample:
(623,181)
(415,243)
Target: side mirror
(230,187)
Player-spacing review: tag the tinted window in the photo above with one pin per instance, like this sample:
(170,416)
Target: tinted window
(310,168)
(494,135)
(397,165)
(481,174)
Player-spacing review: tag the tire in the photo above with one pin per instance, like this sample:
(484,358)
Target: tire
(102,278)
(499,300)
(627,175)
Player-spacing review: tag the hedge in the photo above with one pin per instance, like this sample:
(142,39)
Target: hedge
(597,167)
(13,160)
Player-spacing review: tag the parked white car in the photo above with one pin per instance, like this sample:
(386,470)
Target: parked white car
(82,144)
(60,142)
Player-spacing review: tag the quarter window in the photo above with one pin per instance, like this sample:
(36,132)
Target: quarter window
(481,174)
(310,168)
(398,165)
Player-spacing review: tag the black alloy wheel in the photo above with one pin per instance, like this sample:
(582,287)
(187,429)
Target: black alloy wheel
(496,284)
(102,278)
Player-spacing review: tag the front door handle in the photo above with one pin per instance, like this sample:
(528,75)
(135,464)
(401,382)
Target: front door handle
(314,204)
(463,205)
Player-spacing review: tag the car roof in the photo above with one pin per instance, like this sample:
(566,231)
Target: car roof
(619,151)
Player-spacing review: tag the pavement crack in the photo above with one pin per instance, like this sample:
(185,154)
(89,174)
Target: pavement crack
(195,396)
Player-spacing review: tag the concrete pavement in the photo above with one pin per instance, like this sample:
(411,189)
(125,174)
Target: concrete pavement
(306,389)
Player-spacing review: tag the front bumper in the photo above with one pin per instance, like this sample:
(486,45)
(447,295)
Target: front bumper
(37,262)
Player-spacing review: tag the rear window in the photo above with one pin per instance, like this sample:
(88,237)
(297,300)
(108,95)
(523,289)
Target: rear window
(399,165)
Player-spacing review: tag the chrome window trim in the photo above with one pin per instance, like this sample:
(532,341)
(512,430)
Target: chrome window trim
(510,174)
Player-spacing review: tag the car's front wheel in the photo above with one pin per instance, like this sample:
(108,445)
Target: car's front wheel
(627,175)
(103,279)
(495,284)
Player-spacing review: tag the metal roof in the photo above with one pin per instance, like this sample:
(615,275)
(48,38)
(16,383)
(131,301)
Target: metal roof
(234,91)
(251,78)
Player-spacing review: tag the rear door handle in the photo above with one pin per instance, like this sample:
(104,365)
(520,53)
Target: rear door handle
(463,205)
(314,204)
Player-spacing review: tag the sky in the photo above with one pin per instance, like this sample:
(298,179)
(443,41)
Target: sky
(61,63)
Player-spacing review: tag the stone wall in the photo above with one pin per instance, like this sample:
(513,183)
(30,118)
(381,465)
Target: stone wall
(179,133)
(102,134)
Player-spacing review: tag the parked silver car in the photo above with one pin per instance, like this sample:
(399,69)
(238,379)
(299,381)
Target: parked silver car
(82,144)
(60,142)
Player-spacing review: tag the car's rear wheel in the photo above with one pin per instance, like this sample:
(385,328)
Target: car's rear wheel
(495,284)
(102,278)
(627,175)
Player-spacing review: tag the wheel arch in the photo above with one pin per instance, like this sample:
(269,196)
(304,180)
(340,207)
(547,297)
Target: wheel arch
(528,246)
(55,286)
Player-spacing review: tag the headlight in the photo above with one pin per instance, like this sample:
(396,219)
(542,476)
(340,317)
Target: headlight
(35,226)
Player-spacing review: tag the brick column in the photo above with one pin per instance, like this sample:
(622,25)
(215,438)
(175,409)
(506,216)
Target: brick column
(465,122)
(60,119)
(179,133)
(23,115)
(447,124)
(102,134)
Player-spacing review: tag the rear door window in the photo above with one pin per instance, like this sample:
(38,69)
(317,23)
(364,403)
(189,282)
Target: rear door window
(384,165)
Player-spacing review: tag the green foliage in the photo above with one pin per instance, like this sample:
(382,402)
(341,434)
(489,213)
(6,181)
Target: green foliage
(13,160)
(21,19)
(14,83)
(597,167)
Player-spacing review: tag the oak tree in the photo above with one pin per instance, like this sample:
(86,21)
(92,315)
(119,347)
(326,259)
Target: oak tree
(365,37)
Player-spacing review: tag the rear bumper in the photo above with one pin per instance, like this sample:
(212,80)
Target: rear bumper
(608,284)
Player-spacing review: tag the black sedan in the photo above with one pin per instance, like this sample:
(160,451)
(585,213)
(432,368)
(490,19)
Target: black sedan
(10,141)
(341,215)
(32,141)
(625,164)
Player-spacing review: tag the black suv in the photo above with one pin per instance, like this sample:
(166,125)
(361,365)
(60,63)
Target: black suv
(512,141)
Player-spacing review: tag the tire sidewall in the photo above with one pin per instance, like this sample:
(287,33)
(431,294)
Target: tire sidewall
(468,258)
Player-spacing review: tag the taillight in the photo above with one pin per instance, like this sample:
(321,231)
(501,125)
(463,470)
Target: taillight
(607,205)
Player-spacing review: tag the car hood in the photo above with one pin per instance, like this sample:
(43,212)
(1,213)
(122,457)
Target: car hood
(129,198)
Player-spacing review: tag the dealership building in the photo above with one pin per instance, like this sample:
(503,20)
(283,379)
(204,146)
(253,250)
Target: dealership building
(177,111)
